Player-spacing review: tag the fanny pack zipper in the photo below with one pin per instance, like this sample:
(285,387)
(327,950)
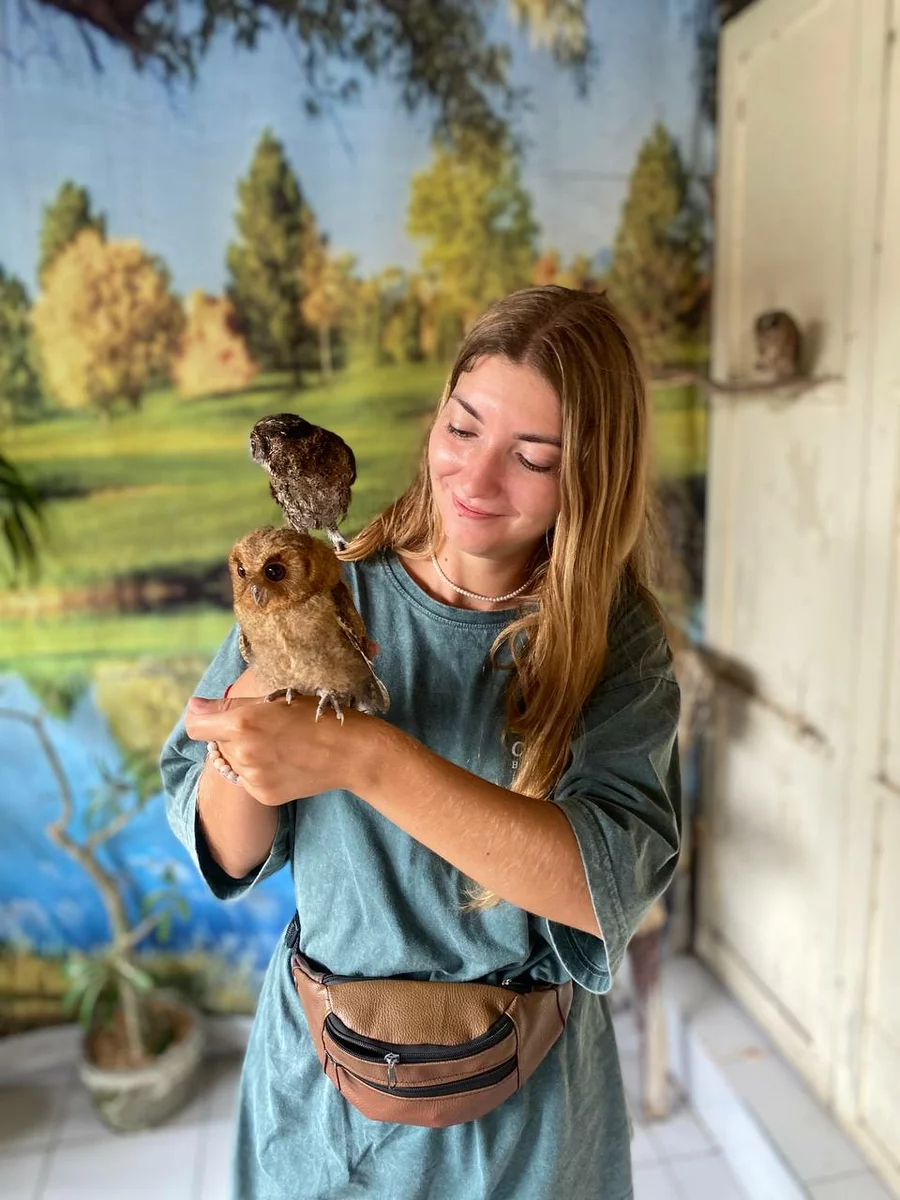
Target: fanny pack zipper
(485,1079)
(369,1048)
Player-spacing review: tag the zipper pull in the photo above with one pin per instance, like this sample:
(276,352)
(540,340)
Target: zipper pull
(392,1060)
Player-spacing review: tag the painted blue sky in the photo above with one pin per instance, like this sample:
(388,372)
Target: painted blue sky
(163,164)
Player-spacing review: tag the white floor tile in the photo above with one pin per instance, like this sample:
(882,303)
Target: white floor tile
(642,1148)
(654,1183)
(217,1152)
(801,1129)
(220,1086)
(19,1175)
(137,1166)
(706,1178)
(864,1186)
(30,1110)
(681,1136)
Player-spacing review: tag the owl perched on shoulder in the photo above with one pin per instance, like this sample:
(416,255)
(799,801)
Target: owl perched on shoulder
(299,627)
(778,346)
(311,471)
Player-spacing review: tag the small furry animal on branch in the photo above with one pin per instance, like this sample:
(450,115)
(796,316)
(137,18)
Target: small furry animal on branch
(779,370)
(779,345)
(299,627)
(311,471)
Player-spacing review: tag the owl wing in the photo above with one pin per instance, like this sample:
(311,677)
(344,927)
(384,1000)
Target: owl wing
(244,647)
(355,630)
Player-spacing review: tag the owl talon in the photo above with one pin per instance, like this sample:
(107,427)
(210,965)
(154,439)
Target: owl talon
(327,699)
(286,693)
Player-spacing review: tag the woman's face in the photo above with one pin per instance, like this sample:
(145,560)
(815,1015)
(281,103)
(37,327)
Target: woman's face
(494,459)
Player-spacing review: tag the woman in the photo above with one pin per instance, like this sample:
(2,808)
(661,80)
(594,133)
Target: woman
(526,662)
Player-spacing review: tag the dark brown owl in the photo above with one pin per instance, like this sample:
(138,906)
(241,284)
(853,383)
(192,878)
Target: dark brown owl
(299,627)
(778,346)
(311,472)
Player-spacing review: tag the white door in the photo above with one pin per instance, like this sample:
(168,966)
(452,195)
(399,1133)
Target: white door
(801,842)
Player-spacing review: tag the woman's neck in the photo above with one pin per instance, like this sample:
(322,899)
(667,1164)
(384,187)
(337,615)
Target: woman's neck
(464,581)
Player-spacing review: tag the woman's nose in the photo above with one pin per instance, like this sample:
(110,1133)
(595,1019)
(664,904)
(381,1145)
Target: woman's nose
(483,474)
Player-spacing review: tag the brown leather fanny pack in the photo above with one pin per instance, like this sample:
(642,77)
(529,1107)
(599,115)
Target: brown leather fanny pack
(419,1053)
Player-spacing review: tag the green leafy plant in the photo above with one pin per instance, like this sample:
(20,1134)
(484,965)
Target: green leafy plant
(112,981)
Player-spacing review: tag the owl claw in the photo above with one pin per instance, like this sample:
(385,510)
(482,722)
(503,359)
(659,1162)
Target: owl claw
(327,699)
(287,693)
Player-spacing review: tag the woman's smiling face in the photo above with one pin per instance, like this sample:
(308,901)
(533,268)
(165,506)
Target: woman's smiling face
(494,459)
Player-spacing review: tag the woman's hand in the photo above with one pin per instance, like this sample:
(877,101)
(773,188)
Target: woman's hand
(279,750)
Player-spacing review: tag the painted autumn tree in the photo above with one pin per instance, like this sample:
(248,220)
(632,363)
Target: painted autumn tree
(330,295)
(212,357)
(443,55)
(474,215)
(657,274)
(265,264)
(106,322)
(63,219)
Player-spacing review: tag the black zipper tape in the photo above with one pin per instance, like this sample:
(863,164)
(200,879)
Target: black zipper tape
(435,1091)
(370,1049)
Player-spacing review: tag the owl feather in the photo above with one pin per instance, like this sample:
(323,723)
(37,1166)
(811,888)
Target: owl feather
(299,627)
(311,471)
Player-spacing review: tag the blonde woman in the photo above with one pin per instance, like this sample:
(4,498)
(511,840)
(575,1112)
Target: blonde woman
(509,823)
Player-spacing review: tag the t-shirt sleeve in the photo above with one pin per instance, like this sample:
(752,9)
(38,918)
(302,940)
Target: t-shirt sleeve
(622,796)
(180,764)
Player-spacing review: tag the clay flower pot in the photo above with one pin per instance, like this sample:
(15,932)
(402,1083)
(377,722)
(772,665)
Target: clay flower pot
(132,1098)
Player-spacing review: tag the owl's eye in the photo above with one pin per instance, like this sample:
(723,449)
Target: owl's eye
(274,571)
(241,571)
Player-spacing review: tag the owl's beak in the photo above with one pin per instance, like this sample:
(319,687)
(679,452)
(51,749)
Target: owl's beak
(260,595)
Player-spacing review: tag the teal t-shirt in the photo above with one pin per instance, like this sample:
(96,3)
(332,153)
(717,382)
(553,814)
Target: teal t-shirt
(373,901)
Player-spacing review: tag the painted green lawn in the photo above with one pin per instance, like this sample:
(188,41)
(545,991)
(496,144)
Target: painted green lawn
(172,487)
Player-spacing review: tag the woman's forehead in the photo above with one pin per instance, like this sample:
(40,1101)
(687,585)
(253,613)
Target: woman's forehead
(497,389)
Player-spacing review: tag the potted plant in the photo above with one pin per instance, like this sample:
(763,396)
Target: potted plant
(143,1044)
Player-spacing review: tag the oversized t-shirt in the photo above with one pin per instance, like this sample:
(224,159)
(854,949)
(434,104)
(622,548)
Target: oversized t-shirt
(373,901)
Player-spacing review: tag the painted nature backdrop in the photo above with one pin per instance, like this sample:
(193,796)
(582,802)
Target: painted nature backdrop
(248,212)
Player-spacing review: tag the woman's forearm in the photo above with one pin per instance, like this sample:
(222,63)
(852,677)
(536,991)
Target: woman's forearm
(238,829)
(522,849)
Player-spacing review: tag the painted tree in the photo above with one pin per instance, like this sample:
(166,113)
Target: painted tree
(20,392)
(444,55)
(63,219)
(212,357)
(330,295)
(275,227)
(474,215)
(107,323)
(580,273)
(657,275)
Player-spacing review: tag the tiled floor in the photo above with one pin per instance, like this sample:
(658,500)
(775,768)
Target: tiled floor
(52,1146)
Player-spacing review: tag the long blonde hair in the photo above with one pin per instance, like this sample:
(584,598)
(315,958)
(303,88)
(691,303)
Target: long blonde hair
(601,542)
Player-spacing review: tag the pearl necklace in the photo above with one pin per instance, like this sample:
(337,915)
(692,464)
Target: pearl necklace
(476,595)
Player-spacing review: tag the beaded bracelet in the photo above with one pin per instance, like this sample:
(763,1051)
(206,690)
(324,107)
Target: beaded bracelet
(217,758)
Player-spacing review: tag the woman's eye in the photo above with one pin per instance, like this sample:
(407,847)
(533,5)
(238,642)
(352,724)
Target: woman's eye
(274,571)
(241,571)
(460,433)
(530,466)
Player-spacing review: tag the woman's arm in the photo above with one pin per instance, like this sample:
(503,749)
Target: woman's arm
(239,831)
(522,849)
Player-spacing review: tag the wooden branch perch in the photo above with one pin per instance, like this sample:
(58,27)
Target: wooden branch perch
(788,388)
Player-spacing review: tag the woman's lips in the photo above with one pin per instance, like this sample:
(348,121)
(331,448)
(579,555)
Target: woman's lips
(473,513)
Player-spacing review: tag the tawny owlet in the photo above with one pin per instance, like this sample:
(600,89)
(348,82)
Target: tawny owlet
(311,472)
(299,627)
(778,346)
